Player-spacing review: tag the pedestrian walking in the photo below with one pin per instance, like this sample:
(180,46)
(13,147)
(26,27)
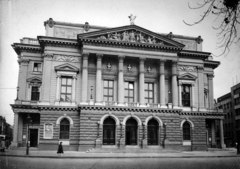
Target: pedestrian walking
(60,149)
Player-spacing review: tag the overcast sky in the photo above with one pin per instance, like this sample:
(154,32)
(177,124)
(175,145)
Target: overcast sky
(24,18)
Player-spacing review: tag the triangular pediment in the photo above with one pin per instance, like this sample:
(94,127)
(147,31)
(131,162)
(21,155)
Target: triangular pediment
(187,76)
(131,34)
(35,79)
(66,67)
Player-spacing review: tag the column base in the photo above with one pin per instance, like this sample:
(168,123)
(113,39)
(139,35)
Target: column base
(83,103)
(170,105)
(121,143)
(121,104)
(98,143)
(98,103)
(163,106)
(144,144)
(14,145)
(223,145)
(142,105)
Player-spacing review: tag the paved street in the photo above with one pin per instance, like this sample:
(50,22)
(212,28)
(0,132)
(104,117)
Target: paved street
(9,162)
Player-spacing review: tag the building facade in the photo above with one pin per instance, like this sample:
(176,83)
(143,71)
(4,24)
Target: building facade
(230,103)
(96,87)
(6,131)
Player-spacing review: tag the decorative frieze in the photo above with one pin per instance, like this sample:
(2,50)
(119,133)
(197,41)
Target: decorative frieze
(67,33)
(48,56)
(186,68)
(66,58)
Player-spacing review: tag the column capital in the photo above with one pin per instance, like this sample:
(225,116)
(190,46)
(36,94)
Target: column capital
(99,56)
(121,57)
(142,59)
(48,56)
(200,68)
(210,76)
(85,55)
(174,62)
(24,61)
(162,61)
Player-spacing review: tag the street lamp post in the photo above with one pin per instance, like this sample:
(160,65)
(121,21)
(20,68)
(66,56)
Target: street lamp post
(28,122)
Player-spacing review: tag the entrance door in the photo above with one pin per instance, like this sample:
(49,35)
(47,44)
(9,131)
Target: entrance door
(33,137)
(152,132)
(131,132)
(109,131)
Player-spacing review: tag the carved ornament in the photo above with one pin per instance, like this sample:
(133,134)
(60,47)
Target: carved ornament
(66,58)
(48,56)
(131,36)
(186,68)
(66,33)
(189,45)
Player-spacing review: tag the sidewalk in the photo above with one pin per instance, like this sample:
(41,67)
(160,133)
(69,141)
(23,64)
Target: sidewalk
(165,154)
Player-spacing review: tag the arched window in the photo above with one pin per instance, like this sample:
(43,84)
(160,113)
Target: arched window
(64,129)
(131,132)
(152,132)
(186,131)
(109,131)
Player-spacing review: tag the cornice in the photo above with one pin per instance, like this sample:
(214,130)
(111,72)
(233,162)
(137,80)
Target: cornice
(211,64)
(31,48)
(45,40)
(136,45)
(194,54)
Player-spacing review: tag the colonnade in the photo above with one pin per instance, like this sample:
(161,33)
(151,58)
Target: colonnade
(120,84)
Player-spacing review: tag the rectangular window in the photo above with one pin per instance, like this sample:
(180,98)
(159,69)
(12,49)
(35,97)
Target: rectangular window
(186,95)
(129,92)
(66,89)
(35,93)
(37,67)
(108,90)
(149,92)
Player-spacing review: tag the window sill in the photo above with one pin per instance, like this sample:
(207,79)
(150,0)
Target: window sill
(187,143)
(64,141)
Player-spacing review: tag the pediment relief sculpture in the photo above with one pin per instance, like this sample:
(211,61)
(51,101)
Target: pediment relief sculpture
(131,36)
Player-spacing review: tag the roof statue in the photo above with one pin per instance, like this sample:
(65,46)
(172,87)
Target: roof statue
(132,18)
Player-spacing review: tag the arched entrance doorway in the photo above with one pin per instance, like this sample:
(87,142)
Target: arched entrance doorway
(131,132)
(109,131)
(152,132)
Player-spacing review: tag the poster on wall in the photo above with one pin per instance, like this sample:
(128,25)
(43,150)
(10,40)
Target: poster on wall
(48,131)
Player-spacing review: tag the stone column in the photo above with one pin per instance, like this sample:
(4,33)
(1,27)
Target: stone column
(192,96)
(144,140)
(120,81)
(200,88)
(222,134)
(99,80)
(141,82)
(74,90)
(85,78)
(180,94)
(58,88)
(213,133)
(174,84)
(15,131)
(162,84)
(210,88)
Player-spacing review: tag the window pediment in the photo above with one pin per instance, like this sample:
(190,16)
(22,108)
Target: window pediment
(187,76)
(66,67)
(34,79)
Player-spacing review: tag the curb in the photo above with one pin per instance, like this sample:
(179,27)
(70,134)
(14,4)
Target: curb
(87,157)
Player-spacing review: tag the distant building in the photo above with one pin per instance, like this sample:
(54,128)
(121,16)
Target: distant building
(6,131)
(230,103)
(91,87)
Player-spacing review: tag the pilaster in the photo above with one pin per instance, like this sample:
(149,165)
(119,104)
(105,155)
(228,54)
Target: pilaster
(210,88)
(222,134)
(200,88)
(15,131)
(22,80)
(174,84)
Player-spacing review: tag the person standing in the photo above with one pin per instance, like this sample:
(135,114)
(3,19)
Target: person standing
(60,149)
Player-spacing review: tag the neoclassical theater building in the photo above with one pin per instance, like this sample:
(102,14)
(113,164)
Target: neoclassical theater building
(93,87)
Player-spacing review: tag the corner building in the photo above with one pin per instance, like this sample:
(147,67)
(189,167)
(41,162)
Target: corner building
(96,87)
